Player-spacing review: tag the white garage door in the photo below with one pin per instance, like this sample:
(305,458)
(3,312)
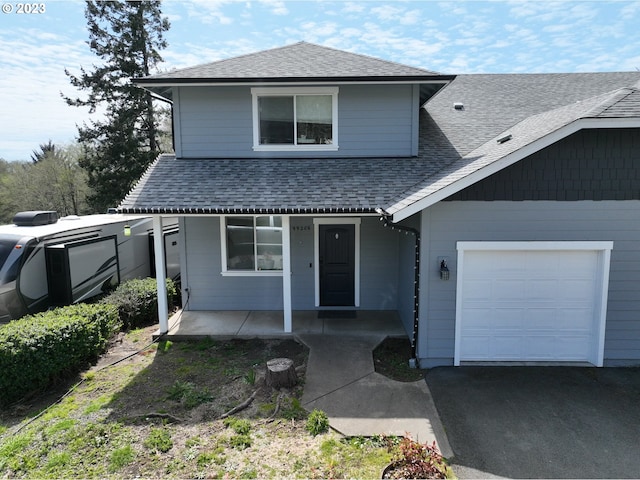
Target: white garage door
(531,301)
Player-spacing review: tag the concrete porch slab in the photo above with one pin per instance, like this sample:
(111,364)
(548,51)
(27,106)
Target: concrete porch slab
(186,324)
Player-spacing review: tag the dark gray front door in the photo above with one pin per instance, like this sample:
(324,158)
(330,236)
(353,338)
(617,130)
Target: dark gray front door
(337,265)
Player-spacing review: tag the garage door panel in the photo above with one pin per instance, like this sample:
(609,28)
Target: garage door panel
(509,289)
(507,347)
(542,290)
(580,290)
(575,319)
(540,318)
(574,348)
(476,346)
(529,305)
(507,318)
(477,290)
(539,263)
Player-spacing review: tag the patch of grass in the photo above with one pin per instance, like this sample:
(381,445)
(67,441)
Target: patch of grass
(188,394)
(12,451)
(102,432)
(250,473)
(241,426)
(391,359)
(292,409)
(159,440)
(360,458)
(205,459)
(101,402)
(136,335)
(250,377)
(56,461)
(240,442)
(61,426)
(193,442)
(121,457)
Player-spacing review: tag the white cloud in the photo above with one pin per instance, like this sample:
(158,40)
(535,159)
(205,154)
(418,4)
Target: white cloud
(208,11)
(386,12)
(276,7)
(630,11)
(391,13)
(354,7)
(32,65)
(557,28)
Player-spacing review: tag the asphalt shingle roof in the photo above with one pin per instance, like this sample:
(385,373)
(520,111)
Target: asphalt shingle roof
(300,60)
(495,102)
(453,144)
(521,134)
(269,185)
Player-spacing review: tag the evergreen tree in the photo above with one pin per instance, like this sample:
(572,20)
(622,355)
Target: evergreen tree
(46,149)
(127,36)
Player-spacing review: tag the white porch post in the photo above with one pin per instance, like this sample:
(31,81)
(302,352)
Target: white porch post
(161,275)
(286,274)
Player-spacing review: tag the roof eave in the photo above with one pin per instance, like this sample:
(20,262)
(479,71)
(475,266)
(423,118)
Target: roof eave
(246,211)
(197,81)
(163,86)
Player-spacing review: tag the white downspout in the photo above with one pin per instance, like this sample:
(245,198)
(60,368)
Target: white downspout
(161,275)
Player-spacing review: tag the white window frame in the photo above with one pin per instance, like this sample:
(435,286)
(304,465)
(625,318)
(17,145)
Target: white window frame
(223,250)
(289,91)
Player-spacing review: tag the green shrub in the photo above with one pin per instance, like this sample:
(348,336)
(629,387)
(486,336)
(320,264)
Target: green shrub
(241,426)
(317,422)
(159,440)
(137,301)
(37,349)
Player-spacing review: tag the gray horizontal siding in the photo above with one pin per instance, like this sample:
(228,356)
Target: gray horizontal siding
(379,249)
(449,222)
(302,264)
(373,120)
(212,291)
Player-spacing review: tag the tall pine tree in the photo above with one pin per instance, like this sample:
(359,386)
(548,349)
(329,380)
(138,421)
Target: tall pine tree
(127,36)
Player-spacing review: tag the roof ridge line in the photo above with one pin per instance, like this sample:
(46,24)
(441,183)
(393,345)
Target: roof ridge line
(614,96)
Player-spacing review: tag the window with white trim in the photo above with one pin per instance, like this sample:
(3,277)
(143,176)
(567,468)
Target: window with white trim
(295,118)
(252,244)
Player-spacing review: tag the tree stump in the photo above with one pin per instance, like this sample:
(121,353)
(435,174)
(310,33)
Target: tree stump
(281,373)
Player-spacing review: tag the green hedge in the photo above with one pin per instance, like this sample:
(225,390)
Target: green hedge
(37,349)
(137,301)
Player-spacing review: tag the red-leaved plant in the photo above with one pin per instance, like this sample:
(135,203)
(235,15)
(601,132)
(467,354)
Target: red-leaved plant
(416,460)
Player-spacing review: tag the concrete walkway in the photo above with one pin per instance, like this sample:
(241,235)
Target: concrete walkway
(342,382)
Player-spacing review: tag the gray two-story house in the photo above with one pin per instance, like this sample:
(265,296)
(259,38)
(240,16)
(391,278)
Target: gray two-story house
(498,216)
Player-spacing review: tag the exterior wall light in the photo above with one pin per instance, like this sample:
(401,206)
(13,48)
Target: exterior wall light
(127,230)
(444,270)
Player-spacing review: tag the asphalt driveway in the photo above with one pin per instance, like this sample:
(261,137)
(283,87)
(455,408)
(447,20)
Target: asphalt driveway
(540,422)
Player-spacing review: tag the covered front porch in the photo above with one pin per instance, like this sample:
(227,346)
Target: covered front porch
(188,324)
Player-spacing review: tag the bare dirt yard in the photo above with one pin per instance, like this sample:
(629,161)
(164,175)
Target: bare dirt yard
(167,410)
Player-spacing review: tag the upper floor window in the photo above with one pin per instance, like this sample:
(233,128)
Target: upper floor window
(295,118)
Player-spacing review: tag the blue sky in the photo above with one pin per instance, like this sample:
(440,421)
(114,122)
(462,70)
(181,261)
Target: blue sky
(449,37)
